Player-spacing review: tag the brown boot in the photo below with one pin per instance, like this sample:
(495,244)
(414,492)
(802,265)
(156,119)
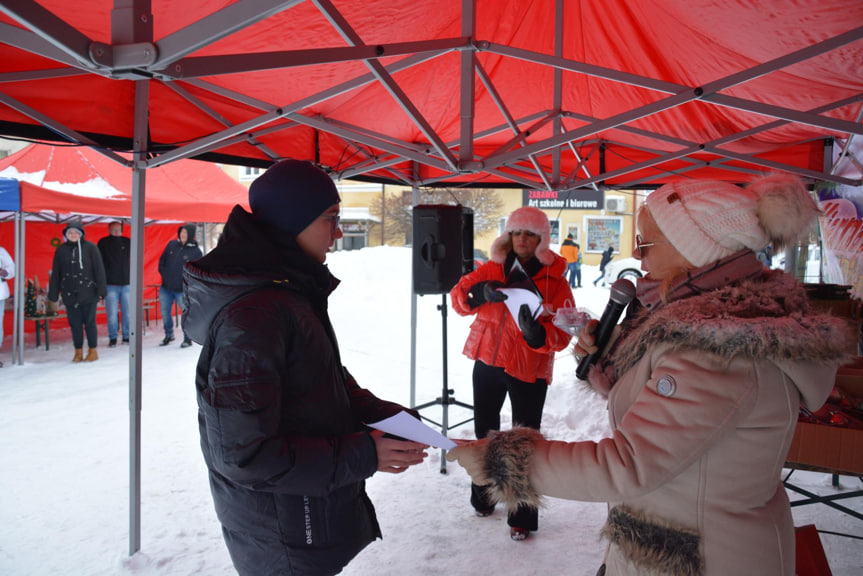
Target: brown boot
(79,355)
(92,355)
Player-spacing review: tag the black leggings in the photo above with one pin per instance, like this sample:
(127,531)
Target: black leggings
(83,317)
(527,399)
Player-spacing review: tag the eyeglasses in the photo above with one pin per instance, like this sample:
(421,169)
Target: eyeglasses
(334,221)
(527,233)
(640,245)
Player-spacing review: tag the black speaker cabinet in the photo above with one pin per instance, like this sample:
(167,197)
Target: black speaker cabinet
(442,246)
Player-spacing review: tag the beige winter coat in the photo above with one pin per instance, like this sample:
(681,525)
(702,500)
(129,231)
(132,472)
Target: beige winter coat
(702,413)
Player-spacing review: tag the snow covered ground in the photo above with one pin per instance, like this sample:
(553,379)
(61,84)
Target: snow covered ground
(64,442)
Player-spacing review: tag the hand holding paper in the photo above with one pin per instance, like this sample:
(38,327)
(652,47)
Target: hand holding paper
(406,426)
(396,455)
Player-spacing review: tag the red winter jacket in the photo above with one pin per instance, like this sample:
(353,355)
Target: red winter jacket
(495,338)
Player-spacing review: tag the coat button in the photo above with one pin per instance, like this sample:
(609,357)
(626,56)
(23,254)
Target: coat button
(666,386)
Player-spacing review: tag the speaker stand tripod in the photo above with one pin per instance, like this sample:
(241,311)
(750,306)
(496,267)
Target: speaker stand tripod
(446,398)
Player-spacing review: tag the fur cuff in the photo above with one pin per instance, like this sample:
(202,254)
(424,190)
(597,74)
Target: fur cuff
(507,465)
(652,546)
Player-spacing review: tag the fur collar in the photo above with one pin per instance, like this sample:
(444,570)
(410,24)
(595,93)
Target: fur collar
(767,317)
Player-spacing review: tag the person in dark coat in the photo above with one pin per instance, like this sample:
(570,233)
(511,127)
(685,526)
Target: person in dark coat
(174,257)
(281,419)
(116,250)
(79,275)
(607,255)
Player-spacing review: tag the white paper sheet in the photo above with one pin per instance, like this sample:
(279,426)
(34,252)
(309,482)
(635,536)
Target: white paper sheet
(406,426)
(515,297)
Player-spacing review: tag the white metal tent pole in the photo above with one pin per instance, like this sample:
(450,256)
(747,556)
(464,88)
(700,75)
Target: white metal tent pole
(20,287)
(142,96)
(414,202)
(132,24)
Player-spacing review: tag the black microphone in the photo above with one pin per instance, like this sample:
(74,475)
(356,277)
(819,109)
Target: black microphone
(622,293)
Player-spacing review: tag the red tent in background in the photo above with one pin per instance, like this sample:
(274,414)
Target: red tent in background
(41,239)
(80,180)
(59,182)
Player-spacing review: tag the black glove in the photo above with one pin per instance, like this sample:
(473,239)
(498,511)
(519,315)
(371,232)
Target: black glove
(532,330)
(483,292)
(490,291)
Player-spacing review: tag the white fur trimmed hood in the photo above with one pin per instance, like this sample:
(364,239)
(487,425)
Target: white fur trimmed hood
(525,218)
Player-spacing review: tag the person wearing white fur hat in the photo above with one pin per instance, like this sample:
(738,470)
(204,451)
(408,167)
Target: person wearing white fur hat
(513,358)
(703,384)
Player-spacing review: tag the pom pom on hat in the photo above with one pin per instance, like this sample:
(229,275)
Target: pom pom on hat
(709,220)
(291,194)
(525,218)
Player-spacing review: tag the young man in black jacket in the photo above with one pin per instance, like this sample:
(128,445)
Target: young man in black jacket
(281,420)
(174,257)
(116,251)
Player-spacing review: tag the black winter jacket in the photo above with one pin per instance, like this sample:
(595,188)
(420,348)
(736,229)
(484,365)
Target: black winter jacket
(175,256)
(80,280)
(116,252)
(280,417)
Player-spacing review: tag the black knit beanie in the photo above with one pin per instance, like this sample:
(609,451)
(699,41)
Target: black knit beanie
(291,194)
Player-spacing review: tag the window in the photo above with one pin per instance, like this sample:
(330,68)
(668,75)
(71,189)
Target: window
(250,173)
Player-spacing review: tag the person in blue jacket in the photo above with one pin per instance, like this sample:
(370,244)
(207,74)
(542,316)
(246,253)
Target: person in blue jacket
(282,421)
(174,257)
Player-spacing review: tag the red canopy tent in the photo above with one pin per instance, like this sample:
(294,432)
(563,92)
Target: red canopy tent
(525,93)
(78,180)
(547,94)
(59,182)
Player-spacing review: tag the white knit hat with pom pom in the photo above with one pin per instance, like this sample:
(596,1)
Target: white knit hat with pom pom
(709,220)
(530,219)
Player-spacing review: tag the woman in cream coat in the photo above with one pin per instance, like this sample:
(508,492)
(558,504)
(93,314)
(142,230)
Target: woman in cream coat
(704,386)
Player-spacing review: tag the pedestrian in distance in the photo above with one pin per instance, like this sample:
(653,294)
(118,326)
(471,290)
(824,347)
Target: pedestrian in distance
(578,262)
(570,251)
(607,255)
(78,275)
(282,421)
(703,383)
(116,255)
(513,357)
(176,254)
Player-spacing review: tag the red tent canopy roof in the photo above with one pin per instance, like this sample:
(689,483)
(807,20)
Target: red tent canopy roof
(80,180)
(449,92)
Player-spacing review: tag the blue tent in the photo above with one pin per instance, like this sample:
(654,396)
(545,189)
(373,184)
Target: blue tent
(10,195)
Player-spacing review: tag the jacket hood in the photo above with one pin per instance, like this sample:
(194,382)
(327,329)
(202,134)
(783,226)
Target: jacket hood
(190,233)
(768,317)
(74,225)
(250,255)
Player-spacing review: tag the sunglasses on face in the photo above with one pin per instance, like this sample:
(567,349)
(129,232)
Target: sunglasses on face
(640,245)
(526,233)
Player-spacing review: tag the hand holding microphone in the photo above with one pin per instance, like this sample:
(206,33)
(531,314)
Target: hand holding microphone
(622,293)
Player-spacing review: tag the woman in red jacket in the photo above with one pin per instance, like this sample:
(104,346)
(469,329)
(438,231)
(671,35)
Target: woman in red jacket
(514,358)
